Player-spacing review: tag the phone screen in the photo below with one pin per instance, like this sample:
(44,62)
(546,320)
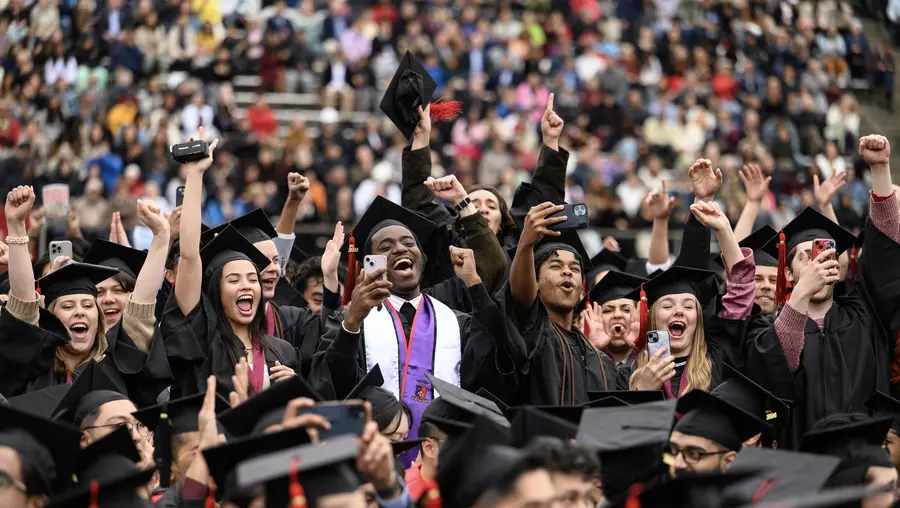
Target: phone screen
(344,418)
(820,245)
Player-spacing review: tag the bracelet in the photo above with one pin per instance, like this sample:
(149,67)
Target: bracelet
(17,240)
(462,204)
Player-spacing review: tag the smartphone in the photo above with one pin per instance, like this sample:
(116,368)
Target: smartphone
(820,245)
(656,340)
(576,217)
(60,248)
(348,417)
(179,196)
(374,263)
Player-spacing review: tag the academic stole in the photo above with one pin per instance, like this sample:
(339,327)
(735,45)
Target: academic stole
(682,383)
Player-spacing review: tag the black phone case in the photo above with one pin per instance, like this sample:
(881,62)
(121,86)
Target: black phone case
(191,151)
(576,218)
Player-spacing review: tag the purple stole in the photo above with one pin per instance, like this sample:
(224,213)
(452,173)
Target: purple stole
(416,359)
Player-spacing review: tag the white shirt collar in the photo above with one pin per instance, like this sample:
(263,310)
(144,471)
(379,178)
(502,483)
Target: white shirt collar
(398,302)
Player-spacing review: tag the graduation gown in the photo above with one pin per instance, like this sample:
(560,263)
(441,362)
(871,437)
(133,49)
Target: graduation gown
(340,362)
(301,328)
(843,365)
(554,369)
(28,352)
(195,349)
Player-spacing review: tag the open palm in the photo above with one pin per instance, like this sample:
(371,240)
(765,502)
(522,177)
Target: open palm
(704,180)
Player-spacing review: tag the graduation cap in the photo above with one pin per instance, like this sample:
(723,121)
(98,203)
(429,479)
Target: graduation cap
(779,474)
(254,226)
(50,446)
(692,491)
(882,405)
(410,88)
(606,261)
(483,392)
(630,441)
(614,285)
(91,389)
(384,404)
(841,497)
(286,295)
(113,255)
(467,401)
(856,444)
(40,402)
(716,419)
(313,471)
(229,245)
(743,393)
(107,474)
(223,459)
(755,242)
(172,418)
(401,447)
(806,227)
(530,422)
(629,397)
(524,199)
(265,408)
(372,379)
(381,213)
(675,280)
(297,255)
(73,279)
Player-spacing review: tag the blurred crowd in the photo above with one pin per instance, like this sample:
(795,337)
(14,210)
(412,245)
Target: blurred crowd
(94,92)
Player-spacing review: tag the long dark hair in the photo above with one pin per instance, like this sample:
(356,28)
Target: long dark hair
(233,344)
(507,226)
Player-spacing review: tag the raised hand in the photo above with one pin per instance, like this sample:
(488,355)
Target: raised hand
(370,292)
(297,186)
(376,459)
(153,218)
(657,371)
(755,183)
(331,258)
(824,192)
(206,418)
(280,372)
(58,263)
(422,132)
(19,203)
(875,150)
(241,382)
(4,254)
(117,232)
(551,125)
(447,188)
(174,219)
(823,271)
(311,421)
(659,204)
(592,316)
(710,215)
(704,180)
(464,265)
(537,223)
(202,165)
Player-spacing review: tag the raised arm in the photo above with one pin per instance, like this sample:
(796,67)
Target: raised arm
(416,169)
(659,206)
(756,187)
(523,284)
(824,194)
(19,202)
(549,177)
(297,187)
(190,267)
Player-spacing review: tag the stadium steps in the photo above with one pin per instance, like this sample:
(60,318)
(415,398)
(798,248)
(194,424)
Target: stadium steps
(874,116)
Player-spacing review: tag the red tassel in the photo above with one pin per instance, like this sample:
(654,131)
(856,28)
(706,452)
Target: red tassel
(445,110)
(763,490)
(853,266)
(431,498)
(781,285)
(350,285)
(210,496)
(298,496)
(644,315)
(95,494)
(634,496)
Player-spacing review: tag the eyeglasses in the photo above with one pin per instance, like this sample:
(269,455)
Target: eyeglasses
(142,429)
(692,455)
(8,481)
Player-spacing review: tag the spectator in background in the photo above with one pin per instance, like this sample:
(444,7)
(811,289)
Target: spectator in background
(112,20)
(92,207)
(336,89)
(195,114)
(45,19)
(262,118)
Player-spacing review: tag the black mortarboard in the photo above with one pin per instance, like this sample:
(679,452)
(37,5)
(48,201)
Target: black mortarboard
(447,417)
(716,419)
(322,469)
(230,245)
(265,408)
(91,389)
(567,240)
(856,444)
(524,199)
(675,280)
(779,474)
(381,214)
(630,397)
(73,279)
(373,378)
(741,392)
(808,226)
(613,286)
(287,295)
(410,88)
(113,255)
(41,402)
(110,463)
(297,255)
(223,459)
(51,447)
(691,491)
(881,405)
(570,414)
(254,226)
(467,401)
(755,242)
(483,392)
(530,422)
(842,497)
(608,260)
(406,445)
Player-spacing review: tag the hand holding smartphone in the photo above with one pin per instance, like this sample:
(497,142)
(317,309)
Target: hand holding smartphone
(576,217)
(656,340)
(347,417)
(373,263)
(60,249)
(820,245)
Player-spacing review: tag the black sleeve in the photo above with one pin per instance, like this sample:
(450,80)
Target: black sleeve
(879,278)
(490,258)
(186,338)
(336,366)
(766,364)
(454,294)
(549,177)
(694,245)
(27,352)
(302,329)
(146,374)
(416,168)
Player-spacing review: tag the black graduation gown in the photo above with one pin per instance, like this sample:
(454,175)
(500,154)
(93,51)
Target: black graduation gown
(544,356)
(340,362)
(843,365)
(301,328)
(28,352)
(195,350)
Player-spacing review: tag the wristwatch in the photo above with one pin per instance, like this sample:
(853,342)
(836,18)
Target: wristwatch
(462,204)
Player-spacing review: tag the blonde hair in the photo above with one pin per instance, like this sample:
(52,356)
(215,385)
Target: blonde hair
(98,348)
(699,369)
